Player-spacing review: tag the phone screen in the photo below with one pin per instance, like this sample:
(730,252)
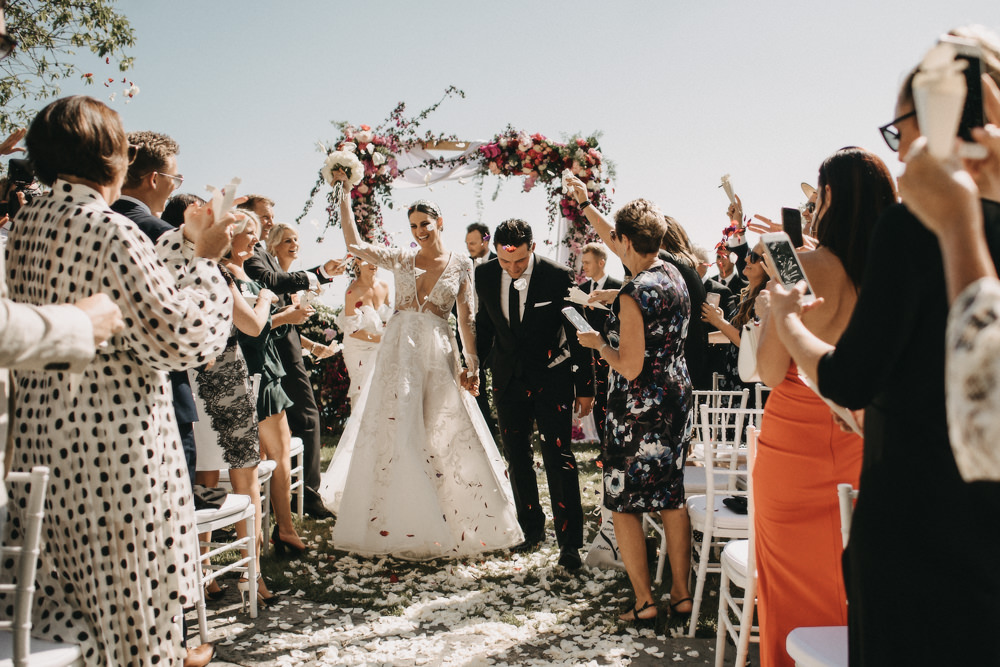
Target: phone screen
(786,263)
(576,319)
(791,222)
(973,114)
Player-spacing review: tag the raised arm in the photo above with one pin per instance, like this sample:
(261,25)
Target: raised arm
(578,190)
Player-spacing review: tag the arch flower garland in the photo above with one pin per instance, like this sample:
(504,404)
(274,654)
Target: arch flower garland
(511,153)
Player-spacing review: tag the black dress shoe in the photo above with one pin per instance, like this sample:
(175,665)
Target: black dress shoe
(570,559)
(529,544)
(317,511)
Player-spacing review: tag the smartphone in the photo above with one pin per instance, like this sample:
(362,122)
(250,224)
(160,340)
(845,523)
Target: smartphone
(576,319)
(973,114)
(791,222)
(782,258)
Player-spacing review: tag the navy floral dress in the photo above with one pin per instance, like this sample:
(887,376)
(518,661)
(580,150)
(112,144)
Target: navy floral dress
(648,428)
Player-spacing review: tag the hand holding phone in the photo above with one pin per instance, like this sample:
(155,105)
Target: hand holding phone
(791,223)
(577,320)
(785,263)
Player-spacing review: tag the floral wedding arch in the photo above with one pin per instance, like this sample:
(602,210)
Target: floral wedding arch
(393,155)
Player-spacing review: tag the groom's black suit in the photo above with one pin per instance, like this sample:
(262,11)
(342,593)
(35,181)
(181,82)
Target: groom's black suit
(537,373)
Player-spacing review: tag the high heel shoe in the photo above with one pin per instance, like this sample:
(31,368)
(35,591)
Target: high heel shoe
(215,596)
(266,602)
(285,549)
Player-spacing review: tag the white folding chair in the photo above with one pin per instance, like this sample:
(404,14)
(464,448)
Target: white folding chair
(825,646)
(298,485)
(236,508)
(760,392)
(724,428)
(695,475)
(739,568)
(16,645)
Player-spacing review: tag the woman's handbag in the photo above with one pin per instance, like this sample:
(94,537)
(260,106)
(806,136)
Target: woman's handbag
(748,353)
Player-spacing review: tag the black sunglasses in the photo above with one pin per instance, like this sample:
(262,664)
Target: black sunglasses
(890,134)
(810,206)
(753,257)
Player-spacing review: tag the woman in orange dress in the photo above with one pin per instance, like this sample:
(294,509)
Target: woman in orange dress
(802,453)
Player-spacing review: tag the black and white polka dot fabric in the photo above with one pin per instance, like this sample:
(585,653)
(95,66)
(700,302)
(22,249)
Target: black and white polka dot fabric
(119,543)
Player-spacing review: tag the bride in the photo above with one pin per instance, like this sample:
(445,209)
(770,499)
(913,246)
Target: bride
(416,474)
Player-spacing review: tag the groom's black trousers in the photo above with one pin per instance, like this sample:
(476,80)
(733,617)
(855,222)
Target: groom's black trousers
(516,412)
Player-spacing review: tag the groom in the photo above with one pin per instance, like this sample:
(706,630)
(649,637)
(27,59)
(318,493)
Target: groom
(541,374)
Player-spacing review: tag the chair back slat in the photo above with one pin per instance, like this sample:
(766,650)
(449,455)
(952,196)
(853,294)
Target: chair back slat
(26,555)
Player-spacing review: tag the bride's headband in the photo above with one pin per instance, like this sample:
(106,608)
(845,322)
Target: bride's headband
(425,206)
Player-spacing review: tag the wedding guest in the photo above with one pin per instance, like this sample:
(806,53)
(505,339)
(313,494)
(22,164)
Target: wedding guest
(675,249)
(303,416)
(649,402)
(151,177)
(227,435)
(173,212)
(802,454)
(946,200)
(890,361)
(809,210)
(593,260)
(366,310)
(541,375)
(477,237)
(732,327)
(111,425)
(262,358)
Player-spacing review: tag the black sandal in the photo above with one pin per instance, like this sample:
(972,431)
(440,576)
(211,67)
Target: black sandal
(636,619)
(674,611)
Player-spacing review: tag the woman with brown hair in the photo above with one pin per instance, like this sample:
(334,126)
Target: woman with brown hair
(119,560)
(649,400)
(802,454)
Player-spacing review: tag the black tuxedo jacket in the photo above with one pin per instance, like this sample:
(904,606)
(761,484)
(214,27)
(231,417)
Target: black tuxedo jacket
(546,352)
(184,406)
(596,317)
(727,300)
(266,270)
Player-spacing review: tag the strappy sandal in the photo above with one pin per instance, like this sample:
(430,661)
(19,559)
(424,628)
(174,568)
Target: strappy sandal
(632,615)
(676,612)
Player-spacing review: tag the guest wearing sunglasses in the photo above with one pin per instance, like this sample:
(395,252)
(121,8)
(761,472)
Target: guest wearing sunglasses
(756,276)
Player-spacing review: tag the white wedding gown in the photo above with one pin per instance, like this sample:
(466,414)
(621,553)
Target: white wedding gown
(416,474)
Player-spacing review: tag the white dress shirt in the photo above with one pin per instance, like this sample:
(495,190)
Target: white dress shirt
(505,288)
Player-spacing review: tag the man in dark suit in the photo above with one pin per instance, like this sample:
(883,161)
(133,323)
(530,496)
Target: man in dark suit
(594,259)
(477,237)
(150,180)
(541,374)
(303,416)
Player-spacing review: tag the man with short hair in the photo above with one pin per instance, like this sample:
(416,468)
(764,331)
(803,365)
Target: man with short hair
(477,236)
(593,260)
(541,374)
(151,178)
(303,416)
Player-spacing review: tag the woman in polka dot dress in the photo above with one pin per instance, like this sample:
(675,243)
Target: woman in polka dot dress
(120,546)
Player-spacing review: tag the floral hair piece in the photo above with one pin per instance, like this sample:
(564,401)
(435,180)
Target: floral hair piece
(425,206)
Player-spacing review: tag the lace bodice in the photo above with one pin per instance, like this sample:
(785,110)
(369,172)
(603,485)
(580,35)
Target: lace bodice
(453,286)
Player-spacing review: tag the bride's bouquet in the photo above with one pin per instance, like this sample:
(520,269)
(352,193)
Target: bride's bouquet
(347,162)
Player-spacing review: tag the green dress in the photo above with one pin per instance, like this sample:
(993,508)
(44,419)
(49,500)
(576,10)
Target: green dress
(262,358)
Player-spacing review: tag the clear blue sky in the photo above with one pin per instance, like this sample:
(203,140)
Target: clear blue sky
(684,92)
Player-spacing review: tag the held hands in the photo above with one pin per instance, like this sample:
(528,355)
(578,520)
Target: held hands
(104,314)
(582,406)
(469,381)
